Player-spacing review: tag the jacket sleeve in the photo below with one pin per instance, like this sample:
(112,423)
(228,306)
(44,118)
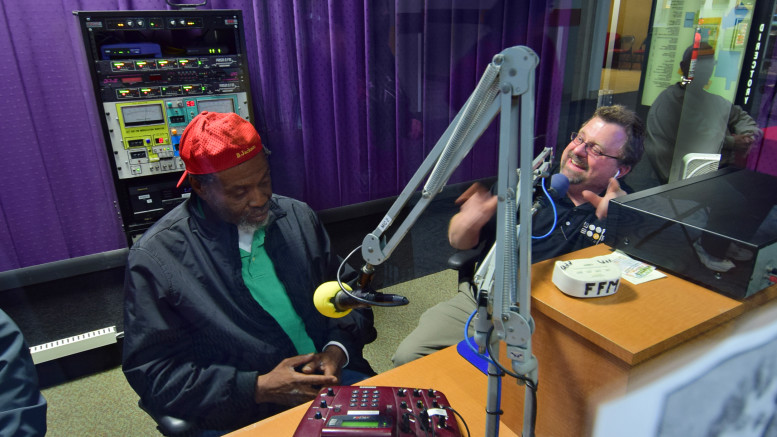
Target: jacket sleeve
(22,407)
(159,360)
(739,122)
(357,328)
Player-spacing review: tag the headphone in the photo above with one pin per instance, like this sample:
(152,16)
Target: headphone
(617,174)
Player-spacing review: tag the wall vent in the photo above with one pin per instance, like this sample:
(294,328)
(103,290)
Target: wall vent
(73,345)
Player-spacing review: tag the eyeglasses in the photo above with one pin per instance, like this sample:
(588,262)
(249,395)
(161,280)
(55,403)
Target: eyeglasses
(590,148)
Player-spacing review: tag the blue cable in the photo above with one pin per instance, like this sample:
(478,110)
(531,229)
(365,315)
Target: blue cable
(555,214)
(467,339)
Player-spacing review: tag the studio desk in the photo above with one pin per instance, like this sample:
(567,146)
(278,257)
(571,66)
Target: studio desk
(589,351)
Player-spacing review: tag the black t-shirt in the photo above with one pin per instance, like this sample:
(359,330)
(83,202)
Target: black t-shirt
(576,228)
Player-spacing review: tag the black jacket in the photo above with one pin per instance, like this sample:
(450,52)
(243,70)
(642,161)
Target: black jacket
(22,407)
(196,340)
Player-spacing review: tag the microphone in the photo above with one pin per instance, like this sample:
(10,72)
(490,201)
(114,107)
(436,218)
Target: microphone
(559,184)
(333,302)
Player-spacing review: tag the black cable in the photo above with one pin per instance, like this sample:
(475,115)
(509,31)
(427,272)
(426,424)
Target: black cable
(460,417)
(355,297)
(529,383)
(496,362)
(533,419)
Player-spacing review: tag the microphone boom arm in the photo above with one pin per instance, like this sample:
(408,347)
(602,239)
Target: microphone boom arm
(456,142)
(507,87)
(376,252)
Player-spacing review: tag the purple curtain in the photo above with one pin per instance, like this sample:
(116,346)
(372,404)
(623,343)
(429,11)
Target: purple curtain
(373,85)
(349,95)
(56,198)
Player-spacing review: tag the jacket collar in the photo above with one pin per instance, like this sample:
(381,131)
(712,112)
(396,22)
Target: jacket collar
(206,221)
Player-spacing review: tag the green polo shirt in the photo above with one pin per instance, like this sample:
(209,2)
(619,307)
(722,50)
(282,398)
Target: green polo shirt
(263,283)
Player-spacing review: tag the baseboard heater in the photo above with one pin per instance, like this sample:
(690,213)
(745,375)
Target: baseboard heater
(73,345)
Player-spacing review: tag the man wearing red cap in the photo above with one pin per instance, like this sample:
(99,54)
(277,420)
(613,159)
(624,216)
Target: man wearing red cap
(220,327)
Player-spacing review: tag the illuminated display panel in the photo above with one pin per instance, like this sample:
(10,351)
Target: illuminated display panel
(216,105)
(360,424)
(141,115)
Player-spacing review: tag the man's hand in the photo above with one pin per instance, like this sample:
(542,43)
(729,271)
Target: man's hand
(742,142)
(478,205)
(601,203)
(328,363)
(473,189)
(286,386)
(742,145)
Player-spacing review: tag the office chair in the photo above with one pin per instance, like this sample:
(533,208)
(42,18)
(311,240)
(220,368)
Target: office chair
(622,50)
(638,54)
(172,426)
(465,262)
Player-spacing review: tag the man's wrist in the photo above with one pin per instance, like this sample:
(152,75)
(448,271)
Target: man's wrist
(259,396)
(339,346)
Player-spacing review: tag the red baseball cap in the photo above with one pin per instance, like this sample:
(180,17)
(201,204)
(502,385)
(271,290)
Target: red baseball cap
(216,141)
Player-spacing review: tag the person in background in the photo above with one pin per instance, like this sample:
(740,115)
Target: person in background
(220,326)
(687,115)
(22,406)
(605,149)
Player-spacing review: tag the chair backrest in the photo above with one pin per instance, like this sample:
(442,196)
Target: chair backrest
(697,164)
(625,43)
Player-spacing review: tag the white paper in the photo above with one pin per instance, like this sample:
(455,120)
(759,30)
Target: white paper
(632,270)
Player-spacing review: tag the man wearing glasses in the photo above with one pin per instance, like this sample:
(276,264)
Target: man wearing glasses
(604,150)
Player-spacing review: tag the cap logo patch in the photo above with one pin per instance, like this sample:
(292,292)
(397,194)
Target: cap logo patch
(245,152)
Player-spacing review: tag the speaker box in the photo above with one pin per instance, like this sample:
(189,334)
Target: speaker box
(718,229)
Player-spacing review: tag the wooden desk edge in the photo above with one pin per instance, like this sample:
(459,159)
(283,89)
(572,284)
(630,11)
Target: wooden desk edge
(632,357)
(283,423)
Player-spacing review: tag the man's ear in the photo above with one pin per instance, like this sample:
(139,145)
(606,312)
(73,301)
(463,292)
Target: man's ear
(623,170)
(197,186)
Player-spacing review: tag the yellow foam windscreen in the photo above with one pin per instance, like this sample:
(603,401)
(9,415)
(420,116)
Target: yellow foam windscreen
(323,296)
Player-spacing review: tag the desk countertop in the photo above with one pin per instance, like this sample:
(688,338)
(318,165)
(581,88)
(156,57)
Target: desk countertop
(463,386)
(639,321)
(634,325)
